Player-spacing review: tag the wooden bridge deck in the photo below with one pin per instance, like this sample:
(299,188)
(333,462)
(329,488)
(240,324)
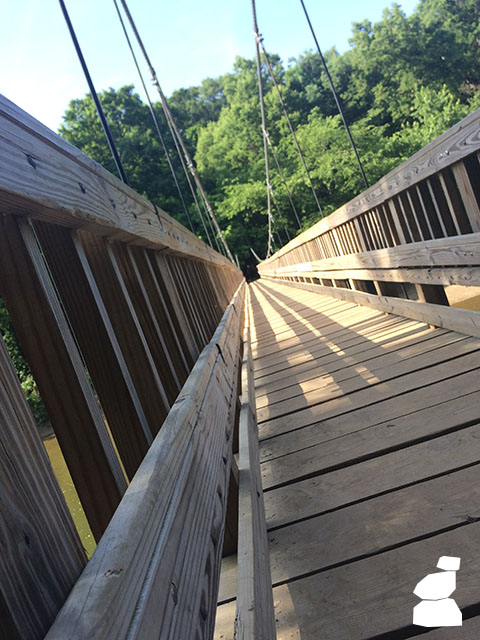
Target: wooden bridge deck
(369,428)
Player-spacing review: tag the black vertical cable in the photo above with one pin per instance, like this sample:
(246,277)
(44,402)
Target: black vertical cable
(264,128)
(169,117)
(101,115)
(337,99)
(155,120)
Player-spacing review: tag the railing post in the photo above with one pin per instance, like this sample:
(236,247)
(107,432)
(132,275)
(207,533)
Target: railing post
(49,347)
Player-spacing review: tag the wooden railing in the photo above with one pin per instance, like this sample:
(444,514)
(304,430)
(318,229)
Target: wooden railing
(132,329)
(404,239)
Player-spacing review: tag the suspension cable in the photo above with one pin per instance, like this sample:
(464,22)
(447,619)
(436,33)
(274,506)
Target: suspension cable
(169,116)
(336,96)
(101,114)
(282,176)
(264,130)
(155,119)
(287,117)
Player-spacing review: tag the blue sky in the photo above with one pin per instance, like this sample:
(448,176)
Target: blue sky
(187,40)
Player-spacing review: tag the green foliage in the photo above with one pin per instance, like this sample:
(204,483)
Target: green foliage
(404,81)
(23,371)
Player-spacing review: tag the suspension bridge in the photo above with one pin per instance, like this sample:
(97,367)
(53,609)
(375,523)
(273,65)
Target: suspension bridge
(281,459)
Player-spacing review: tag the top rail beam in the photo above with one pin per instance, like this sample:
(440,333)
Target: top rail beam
(45,177)
(455,144)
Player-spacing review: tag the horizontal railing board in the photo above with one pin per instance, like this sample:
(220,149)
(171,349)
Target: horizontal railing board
(44,176)
(456,143)
(459,276)
(443,252)
(156,568)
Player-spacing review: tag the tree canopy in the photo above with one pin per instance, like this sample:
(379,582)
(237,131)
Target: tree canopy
(403,81)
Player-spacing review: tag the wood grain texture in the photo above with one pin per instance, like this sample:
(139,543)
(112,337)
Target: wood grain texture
(323,390)
(54,359)
(430,410)
(154,575)
(64,186)
(374,525)
(446,150)
(375,596)
(382,473)
(41,553)
(94,333)
(255,615)
(460,320)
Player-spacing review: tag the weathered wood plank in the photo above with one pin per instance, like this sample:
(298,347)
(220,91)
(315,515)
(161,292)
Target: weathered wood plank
(466,276)
(420,413)
(386,331)
(324,390)
(52,354)
(225,621)
(362,480)
(446,150)
(255,616)
(127,330)
(97,340)
(375,596)
(375,524)
(461,320)
(373,356)
(366,397)
(41,553)
(441,252)
(470,631)
(62,185)
(152,576)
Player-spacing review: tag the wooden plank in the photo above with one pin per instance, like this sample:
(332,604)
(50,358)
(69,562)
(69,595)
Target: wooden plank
(127,330)
(166,322)
(456,143)
(470,631)
(373,368)
(374,596)
(172,306)
(468,197)
(98,343)
(46,177)
(255,615)
(42,555)
(312,329)
(225,622)
(322,391)
(374,525)
(366,397)
(372,354)
(442,252)
(460,320)
(155,572)
(383,473)
(356,436)
(227,590)
(52,354)
(328,349)
(467,276)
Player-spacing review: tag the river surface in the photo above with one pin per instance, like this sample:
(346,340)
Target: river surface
(70,494)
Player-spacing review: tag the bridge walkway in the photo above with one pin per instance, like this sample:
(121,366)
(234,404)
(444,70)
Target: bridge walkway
(369,428)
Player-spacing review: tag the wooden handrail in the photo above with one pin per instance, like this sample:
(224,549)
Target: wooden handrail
(45,177)
(114,303)
(156,569)
(446,151)
(420,226)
